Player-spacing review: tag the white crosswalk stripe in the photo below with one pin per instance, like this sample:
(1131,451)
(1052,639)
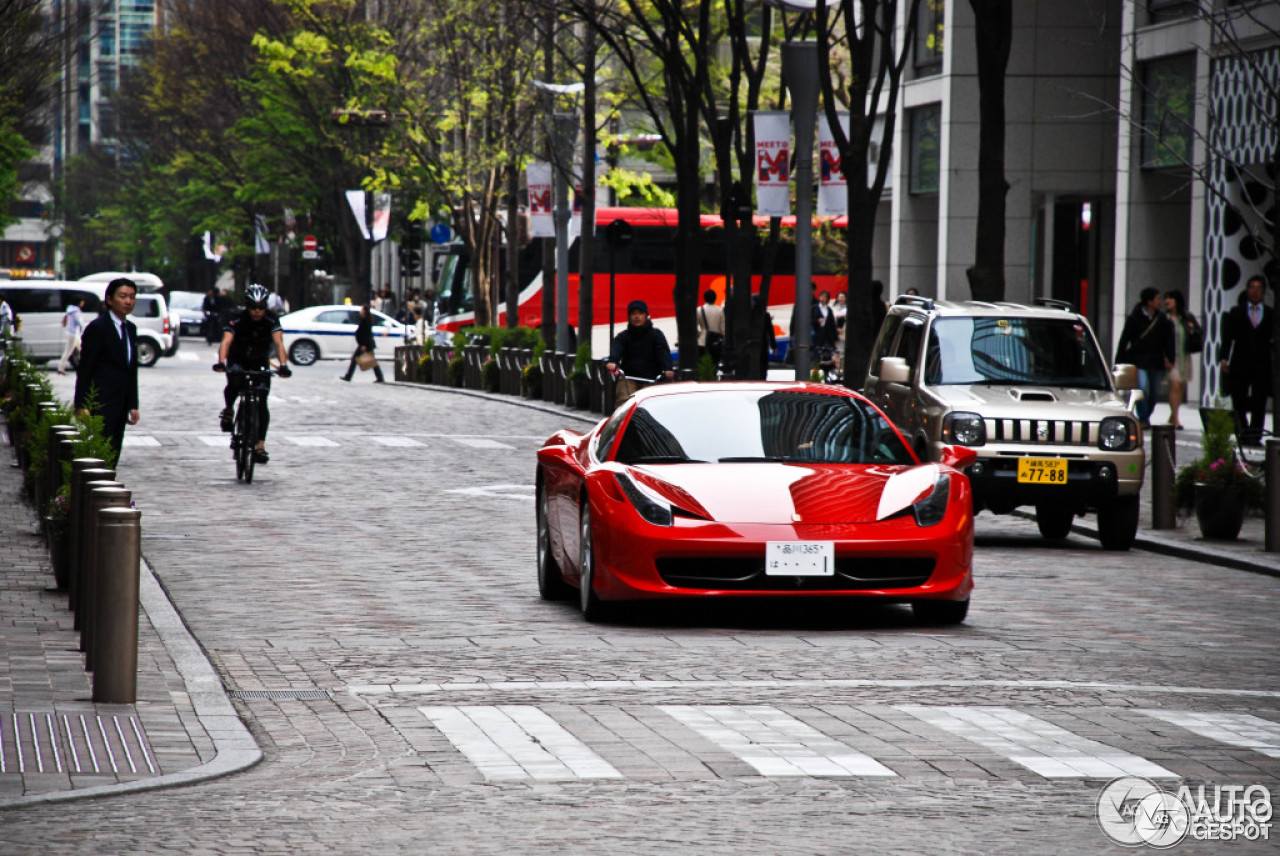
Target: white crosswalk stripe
(774,743)
(516,742)
(136,441)
(315,442)
(395,442)
(216,440)
(1040,746)
(1233,729)
(480,443)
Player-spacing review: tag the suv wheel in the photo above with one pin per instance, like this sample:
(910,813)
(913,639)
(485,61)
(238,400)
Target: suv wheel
(1054,521)
(1118,523)
(148,353)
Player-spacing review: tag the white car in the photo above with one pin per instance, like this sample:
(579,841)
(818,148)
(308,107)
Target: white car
(329,332)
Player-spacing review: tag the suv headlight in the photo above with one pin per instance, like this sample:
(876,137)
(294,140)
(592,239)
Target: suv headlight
(964,429)
(1117,434)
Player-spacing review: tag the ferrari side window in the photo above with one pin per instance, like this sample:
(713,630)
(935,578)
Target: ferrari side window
(605,438)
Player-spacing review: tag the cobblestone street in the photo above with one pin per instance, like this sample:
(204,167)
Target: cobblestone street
(370,604)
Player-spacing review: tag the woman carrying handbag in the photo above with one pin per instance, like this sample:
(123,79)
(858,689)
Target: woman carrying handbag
(1188,339)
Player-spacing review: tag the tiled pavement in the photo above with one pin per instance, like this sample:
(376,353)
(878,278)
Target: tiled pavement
(56,743)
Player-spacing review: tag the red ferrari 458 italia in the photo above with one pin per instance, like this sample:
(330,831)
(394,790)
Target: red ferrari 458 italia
(752,490)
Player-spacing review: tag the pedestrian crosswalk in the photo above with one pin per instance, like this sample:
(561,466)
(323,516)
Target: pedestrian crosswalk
(525,742)
(172,440)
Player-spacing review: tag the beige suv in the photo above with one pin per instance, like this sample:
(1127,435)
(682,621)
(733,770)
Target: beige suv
(1029,390)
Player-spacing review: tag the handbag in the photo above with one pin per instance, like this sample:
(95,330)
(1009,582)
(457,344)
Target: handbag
(714,340)
(1195,335)
(366,360)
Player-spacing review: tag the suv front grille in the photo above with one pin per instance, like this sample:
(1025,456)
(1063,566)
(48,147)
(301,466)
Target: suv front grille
(1042,432)
(853,573)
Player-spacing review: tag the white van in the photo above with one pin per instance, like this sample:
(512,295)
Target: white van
(41,304)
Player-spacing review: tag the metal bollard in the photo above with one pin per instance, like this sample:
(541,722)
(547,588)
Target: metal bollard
(52,470)
(115,673)
(112,496)
(1164,459)
(1271,536)
(91,470)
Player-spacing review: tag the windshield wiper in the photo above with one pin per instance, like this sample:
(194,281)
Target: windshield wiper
(750,459)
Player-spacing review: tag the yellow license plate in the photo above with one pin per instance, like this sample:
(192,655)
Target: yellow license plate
(1042,470)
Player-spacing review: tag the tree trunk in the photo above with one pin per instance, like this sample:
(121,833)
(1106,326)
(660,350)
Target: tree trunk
(586,241)
(993,27)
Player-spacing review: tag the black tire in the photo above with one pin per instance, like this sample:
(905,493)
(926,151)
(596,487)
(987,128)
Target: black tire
(593,609)
(1118,523)
(303,352)
(237,442)
(940,612)
(148,353)
(1054,521)
(551,585)
(250,443)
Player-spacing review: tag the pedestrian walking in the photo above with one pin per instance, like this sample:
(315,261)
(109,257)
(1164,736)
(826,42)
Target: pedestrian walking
(72,328)
(1188,339)
(1147,342)
(107,375)
(1245,360)
(710,326)
(365,345)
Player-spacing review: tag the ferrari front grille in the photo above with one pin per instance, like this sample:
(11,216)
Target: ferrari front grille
(853,573)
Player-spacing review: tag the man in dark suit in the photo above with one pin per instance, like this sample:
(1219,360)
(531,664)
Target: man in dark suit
(1245,359)
(108,370)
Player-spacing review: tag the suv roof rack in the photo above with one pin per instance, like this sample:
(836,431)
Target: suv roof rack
(914,300)
(1064,305)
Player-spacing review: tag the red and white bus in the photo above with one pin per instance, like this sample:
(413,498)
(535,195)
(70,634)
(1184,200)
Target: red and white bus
(644,269)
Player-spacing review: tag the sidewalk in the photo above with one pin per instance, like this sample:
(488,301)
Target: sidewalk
(56,744)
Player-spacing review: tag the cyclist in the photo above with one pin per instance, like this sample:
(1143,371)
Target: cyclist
(641,349)
(247,341)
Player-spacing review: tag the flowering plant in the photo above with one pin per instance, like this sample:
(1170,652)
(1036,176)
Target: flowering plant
(1219,467)
(57,514)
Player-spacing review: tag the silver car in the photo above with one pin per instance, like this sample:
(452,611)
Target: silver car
(1029,389)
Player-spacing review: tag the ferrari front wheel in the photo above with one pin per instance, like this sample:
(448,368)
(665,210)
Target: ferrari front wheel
(593,609)
(938,612)
(551,586)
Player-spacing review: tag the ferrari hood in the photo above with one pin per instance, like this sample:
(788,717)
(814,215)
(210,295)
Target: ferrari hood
(789,493)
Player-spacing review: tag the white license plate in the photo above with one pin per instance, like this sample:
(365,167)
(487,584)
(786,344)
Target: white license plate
(800,558)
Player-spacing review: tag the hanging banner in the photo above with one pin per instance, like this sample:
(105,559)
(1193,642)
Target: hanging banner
(773,163)
(833,198)
(355,198)
(381,215)
(541,220)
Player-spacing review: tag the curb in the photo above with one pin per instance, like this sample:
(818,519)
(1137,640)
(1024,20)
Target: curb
(234,747)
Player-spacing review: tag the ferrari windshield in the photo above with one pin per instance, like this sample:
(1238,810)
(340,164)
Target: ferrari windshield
(1043,351)
(733,425)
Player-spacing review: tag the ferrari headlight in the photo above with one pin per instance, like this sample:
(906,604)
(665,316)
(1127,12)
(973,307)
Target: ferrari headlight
(930,510)
(1117,434)
(651,507)
(964,429)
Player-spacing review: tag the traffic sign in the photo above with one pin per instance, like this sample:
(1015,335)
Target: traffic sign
(440,233)
(309,243)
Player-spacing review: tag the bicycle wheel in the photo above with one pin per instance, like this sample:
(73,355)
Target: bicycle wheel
(238,444)
(250,438)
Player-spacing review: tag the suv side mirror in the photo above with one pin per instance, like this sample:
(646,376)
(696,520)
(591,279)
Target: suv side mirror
(1125,376)
(894,370)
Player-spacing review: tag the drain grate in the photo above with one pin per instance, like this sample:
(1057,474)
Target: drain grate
(281,695)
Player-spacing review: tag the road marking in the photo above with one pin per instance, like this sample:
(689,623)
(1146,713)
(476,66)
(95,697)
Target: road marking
(497,491)
(517,742)
(1234,729)
(397,442)
(1040,746)
(481,443)
(140,440)
(771,683)
(321,442)
(223,440)
(774,743)
(188,356)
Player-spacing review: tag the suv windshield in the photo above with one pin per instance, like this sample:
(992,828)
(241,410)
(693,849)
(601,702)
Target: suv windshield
(754,426)
(1042,351)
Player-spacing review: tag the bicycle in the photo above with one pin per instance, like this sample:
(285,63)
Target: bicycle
(246,431)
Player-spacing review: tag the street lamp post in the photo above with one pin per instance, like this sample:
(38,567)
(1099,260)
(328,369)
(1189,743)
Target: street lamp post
(566,129)
(800,71)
